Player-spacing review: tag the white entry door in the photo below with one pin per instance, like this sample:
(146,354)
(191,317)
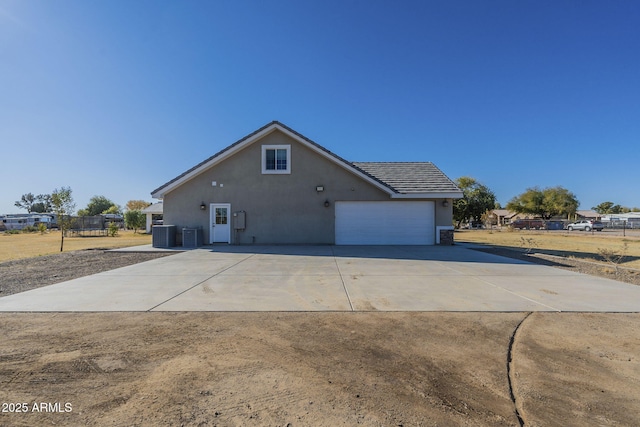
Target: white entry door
(220,231)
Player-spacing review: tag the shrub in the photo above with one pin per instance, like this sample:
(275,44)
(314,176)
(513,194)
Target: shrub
(12,232)
(29,229)
(112,231)
(613,256)
(42,227)
(528,244)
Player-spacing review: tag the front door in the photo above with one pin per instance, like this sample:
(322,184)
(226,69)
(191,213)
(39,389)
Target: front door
(220,223)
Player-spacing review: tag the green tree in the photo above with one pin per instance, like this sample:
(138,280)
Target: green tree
(113,209)
(63,206)
(545,203)
(26,202)
(134,219)
(558,201)
(530,202)
(40,207)
(603,208)
(98,205)
(476,200)
(43,203)
(40,203)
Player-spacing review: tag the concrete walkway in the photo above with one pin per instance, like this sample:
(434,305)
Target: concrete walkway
(332,278)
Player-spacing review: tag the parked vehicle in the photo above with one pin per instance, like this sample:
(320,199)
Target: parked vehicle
(586,225)
(555,225)
(472,224)
(528,224)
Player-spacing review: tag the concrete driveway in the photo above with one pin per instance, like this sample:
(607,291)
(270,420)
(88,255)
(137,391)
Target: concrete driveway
(332,278)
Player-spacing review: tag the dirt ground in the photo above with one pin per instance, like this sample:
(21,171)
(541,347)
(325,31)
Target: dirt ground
(621,274)
(24,274)
(308,369)
(600,247)
(320,369)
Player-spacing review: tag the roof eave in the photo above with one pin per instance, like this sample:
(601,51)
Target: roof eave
(429,195)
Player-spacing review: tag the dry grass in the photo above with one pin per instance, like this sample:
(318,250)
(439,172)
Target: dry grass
(587,246)
(19,246)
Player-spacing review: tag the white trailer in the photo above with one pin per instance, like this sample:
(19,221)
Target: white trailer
(18,222)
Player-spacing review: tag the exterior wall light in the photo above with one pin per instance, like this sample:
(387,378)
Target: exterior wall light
(203,206)
(445,203)
(320,188)
(327,203)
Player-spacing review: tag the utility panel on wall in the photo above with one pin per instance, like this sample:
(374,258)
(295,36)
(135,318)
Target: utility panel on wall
(239,220)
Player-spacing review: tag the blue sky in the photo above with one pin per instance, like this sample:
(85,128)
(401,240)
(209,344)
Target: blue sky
(115,98)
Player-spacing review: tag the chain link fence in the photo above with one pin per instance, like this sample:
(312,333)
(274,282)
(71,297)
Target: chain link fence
(631,224)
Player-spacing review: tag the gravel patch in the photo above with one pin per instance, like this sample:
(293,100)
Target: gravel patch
(25,274)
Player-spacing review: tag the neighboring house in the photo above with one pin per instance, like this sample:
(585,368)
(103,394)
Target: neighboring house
(588,214)
(501,217)
(153,213)
(505,217)
(275,186)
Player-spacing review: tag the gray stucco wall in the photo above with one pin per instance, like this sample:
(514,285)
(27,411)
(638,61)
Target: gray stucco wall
(444,215)
(284,209)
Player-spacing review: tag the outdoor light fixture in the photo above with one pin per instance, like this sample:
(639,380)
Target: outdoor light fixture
(320,188)
(203,206)
(326,203)
(445,203)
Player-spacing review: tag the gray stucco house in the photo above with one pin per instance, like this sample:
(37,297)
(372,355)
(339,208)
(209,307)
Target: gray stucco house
(276,186)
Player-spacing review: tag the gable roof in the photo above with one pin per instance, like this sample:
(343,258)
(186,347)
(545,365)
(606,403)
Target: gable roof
(399,180)
(504,212)
(588,214)
(155,208)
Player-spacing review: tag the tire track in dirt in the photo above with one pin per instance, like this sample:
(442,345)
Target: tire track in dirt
(510,373)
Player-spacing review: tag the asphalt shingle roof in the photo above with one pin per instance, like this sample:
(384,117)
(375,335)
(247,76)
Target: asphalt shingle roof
(409,177)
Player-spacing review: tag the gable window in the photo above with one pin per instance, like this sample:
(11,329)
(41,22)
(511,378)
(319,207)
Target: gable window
(276,159)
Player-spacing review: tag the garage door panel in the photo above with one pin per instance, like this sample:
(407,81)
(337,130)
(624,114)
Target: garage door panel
(385,223)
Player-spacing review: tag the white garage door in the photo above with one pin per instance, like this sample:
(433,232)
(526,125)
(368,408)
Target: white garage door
(385,223)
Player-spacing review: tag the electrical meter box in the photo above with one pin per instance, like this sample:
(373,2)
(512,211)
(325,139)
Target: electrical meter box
(239,220)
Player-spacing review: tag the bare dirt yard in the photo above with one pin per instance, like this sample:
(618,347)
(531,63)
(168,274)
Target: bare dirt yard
(607,254)
(320,369)
(308,369)
(30,273)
